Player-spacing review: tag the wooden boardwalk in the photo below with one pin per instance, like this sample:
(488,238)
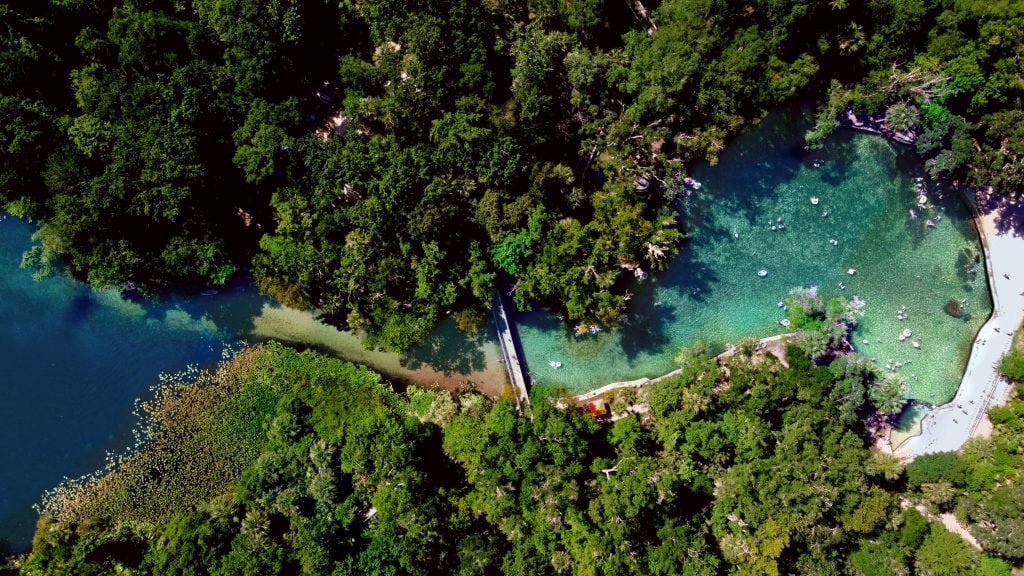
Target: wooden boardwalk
(508,350)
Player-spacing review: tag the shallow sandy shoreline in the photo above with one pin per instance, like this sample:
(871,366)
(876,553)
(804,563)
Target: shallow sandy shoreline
(487,375)
(948,427)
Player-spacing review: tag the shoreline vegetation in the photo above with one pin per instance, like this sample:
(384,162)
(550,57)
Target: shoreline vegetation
(822,330)
(470,145)
(443,361)
(877,125)
(339,474)
(774,345)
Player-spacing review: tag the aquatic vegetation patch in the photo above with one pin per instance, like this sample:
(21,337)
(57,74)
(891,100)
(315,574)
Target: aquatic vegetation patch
(205,432)
(196,436)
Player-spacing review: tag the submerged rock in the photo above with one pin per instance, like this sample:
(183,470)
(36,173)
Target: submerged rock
(953,309)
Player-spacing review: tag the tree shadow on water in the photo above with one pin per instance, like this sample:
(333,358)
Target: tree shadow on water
(751,169)
(644,330)
(968,265)
(838,155)
(449,350)
(233,306)
(648,317)
(79,309)
(916,228)
(741,191)
(1009,211)
(954,211)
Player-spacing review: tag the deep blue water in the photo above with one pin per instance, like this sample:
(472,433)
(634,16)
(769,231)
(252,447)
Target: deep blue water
(72,363)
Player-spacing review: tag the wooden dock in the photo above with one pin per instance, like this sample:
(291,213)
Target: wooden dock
(516,375)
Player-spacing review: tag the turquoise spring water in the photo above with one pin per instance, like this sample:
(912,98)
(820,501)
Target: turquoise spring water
(713,292)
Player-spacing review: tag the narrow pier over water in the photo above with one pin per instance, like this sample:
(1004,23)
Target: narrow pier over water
(516,375)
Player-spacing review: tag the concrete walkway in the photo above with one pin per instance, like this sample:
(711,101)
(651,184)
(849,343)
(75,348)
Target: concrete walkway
(947,427)
(508,351)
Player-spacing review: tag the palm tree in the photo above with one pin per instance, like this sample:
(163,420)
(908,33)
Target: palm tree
(938,493)
(887,394)
(885,465)
(901,117)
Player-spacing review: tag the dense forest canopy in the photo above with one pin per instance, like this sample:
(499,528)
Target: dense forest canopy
(390,162)
(393,161)
(284,462)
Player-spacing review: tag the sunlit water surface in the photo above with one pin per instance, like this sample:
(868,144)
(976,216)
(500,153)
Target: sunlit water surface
(712,291)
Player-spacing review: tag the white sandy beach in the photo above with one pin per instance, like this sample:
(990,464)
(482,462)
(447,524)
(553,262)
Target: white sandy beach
(948,427)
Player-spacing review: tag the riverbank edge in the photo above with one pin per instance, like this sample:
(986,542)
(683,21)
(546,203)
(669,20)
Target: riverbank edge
(995,388)
(873,124)
(584,398)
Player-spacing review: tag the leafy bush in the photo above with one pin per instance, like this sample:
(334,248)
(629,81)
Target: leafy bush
(945,554)
(806,308)
(914,529)
(1012,365)
(933,468)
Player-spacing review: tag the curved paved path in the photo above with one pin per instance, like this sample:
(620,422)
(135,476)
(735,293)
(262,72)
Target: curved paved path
(949,426)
